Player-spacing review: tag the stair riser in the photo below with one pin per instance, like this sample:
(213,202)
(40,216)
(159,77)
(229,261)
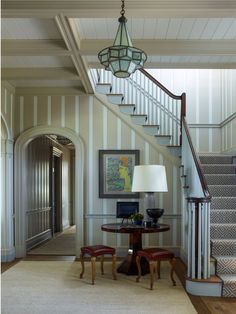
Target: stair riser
(223,232)
(115,99)
(219,169)
(175,151)
(163,141)
(216,159)
(226,266)
(222,190)
(139,120)
(103,88)
(221,179)
(223,216)
(229,289)
(223,203)
(151,130)
(126,109)
(223,249)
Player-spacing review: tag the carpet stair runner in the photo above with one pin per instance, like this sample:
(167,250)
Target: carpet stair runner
(220,174)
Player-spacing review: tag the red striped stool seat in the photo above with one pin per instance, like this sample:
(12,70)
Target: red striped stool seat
(94,251)
(154,257)
(155,254)
(97,250)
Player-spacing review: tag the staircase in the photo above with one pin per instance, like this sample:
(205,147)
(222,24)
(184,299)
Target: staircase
(148,103)
(220,174)
(162,116)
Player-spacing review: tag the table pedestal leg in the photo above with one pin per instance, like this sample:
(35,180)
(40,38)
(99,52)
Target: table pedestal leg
(129,266)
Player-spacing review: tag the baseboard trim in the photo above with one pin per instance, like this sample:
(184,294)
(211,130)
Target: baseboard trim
(204,287)
(38,239)
(8,255)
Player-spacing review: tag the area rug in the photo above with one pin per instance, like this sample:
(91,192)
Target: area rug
(39,287)
(63,244)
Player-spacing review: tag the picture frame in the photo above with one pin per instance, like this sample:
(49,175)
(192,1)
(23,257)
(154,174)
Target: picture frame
(116,172)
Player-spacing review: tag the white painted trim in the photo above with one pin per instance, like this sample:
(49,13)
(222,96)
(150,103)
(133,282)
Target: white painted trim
(77,106)
(203,288)
(35,111)
(63,111)
(90,168)
(21,184)
(49,110)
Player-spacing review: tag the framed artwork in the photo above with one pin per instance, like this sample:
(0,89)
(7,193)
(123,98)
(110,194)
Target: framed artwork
(116,172)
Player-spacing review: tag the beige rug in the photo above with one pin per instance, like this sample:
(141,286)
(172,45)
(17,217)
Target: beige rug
(39,287)
(63,244)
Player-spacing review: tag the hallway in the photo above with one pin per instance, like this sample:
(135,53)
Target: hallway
(63,244)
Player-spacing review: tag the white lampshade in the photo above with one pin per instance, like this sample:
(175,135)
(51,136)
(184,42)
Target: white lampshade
(149,178)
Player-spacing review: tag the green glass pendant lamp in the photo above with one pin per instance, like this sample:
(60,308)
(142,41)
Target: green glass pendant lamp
(122,59)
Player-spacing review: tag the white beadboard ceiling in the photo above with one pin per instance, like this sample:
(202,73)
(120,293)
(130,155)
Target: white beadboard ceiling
(184,28)
(53,43)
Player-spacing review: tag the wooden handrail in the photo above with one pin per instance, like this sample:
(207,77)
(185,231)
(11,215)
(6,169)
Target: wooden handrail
(159,84)
(196,161)
(182,97)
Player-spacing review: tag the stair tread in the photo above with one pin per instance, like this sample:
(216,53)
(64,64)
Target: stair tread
(227,277)
(220,174)
(110,94)
(223,241)
(223,224)
(223,210)
(156,125)
(127,105)
(139,115)
(224,257)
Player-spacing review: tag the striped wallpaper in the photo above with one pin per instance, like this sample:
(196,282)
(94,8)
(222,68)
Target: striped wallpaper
(210,113)
(99,128)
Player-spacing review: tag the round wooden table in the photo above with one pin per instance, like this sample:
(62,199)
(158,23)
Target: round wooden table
(128,266)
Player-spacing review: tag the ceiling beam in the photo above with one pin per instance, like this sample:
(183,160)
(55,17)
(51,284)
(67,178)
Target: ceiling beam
(179,65)
(33,47)
(39,73)
(66,31)
(105,8)
(166,47)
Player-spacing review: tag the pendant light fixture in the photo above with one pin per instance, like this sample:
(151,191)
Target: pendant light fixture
(122,59)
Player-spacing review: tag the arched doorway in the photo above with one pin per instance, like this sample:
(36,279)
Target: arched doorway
(21,183)
(7,214)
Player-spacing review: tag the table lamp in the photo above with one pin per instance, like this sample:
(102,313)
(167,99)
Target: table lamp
(150,179)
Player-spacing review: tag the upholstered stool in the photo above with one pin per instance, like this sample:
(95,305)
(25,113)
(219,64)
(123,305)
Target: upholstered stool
(154,257)
(94,251)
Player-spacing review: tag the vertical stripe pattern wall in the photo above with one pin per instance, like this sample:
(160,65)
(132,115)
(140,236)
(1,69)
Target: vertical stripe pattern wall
(90,168)
(77,107)
(21,114)
(99,128)
(35,110)
(49,107)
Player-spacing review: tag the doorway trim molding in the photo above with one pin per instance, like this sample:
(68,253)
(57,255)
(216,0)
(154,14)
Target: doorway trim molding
(20,183)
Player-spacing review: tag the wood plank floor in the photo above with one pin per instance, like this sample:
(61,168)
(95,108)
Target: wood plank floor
(203,305)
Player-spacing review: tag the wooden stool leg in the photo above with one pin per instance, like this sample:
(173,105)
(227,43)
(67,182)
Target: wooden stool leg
(114,266)
(139,268)
(93,262)
(152,266)
(173,263)
(82,264)
(159,269)
(102,268)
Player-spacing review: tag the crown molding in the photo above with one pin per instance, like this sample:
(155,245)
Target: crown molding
(134,8)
